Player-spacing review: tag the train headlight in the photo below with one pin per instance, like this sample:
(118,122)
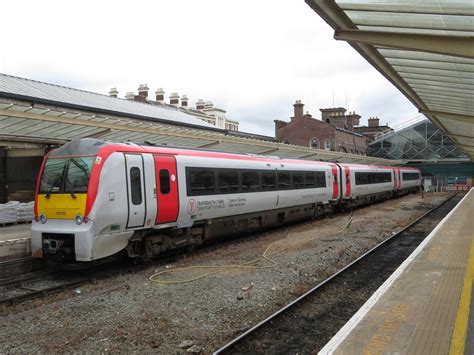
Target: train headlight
(43,219)
(79,219)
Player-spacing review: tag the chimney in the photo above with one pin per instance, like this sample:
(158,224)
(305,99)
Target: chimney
(200,104)
(373,121)
(354,117)
(174,99)
(130,95)
(160,95)
(113,92)
(143,90)
(208,105)
(279,124)
(298,109)
(184,101)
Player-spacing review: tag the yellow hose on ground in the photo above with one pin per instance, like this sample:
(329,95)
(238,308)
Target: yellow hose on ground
(221,268)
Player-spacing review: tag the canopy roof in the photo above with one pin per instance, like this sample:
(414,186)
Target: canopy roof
(37,91)
(424,47)
(24,125)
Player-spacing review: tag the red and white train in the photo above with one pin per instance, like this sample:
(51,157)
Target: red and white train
(95,198)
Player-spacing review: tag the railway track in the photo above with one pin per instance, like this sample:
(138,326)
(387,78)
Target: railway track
(48,281)
(19,287)
(30,285)
(306,324)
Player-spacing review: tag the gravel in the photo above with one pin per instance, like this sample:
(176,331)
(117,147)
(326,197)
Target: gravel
(128,313)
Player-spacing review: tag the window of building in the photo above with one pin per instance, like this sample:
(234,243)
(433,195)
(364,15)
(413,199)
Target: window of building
(165,181)
(314,143)
(136,186)
(327,144)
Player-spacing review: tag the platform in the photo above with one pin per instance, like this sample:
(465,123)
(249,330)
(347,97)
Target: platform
(426,306)
(15,241)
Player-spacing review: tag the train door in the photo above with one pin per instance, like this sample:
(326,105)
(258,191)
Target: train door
(348,181)
(166,189)
(135,190)
(394,178)
(335,182)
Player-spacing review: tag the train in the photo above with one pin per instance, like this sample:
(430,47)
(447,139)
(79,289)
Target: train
(96,199)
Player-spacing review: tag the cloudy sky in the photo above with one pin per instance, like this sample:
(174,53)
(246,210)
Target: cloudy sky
(253,58)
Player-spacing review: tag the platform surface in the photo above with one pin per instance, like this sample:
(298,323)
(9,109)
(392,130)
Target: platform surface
(426,306)
(16,231)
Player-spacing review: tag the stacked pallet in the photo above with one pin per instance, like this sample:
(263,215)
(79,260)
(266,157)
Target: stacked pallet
(25,211)
(14,212)
(8,212)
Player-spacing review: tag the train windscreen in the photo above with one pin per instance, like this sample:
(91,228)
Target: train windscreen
(66,175)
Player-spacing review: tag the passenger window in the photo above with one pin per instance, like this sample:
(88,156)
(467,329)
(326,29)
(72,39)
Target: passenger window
(268,180)
(136,186)
(201,181)
(165,181)
(284,180)
(309,179)
(320,179)
(228,181)
(250,181)
(298,180)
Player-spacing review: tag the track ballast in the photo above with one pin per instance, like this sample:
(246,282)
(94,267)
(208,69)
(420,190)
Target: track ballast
(305,325)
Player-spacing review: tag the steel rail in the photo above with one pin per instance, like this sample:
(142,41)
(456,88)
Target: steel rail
(293,303)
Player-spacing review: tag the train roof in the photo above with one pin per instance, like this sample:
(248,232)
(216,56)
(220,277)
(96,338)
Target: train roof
(92,147)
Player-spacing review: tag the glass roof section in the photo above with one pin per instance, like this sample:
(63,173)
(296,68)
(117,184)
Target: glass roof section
(424,47)
(421,141)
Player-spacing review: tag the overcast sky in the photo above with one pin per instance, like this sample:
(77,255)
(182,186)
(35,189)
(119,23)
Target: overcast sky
(253,58)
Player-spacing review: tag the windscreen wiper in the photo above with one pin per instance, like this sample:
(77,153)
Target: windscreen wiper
(72,188)
(48,194)
(80,167)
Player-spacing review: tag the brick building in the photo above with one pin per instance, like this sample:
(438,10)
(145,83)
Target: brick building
(373,129)
(335,130)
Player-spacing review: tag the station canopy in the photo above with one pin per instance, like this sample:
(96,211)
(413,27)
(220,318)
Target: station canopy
(424,47)
(33,112)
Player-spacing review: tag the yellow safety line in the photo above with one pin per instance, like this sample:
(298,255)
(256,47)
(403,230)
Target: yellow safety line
(458,339)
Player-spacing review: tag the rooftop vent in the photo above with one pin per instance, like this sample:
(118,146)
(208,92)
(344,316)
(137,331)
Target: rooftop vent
(160,95)
(174,99)
(113,92)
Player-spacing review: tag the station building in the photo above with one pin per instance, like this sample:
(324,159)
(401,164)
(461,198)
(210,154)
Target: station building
(373,129)
(335,131)
(203,110)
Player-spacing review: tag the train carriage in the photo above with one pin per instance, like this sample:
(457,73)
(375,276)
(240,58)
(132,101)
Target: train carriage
(95,199)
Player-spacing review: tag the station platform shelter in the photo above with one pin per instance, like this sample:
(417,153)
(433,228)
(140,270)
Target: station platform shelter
(427,305)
